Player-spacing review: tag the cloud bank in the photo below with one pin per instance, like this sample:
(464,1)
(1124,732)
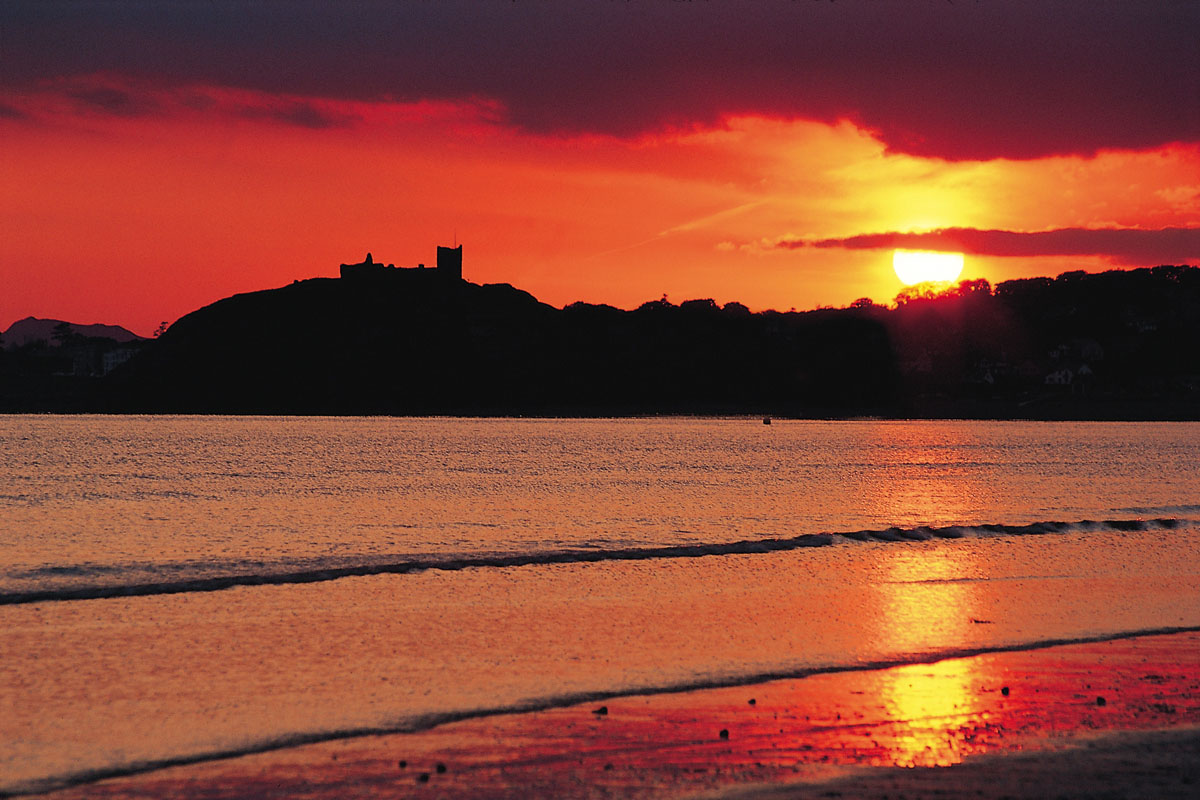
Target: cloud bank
(974,80)
(1130,246)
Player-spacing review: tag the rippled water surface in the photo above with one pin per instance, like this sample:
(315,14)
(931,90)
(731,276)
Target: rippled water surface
(301,578)
(132,499)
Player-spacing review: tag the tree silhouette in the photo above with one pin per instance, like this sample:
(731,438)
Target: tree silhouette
(64,335)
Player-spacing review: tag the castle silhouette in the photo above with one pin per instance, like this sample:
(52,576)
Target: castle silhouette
(448,269)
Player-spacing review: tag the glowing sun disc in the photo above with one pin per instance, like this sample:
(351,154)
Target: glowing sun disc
(923,266)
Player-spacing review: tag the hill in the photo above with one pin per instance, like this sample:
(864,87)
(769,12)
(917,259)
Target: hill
(419,347)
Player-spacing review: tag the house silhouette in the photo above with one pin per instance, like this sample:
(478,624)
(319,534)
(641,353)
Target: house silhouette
(448,269)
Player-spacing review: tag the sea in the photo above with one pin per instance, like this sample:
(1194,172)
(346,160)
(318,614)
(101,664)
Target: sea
(176,589)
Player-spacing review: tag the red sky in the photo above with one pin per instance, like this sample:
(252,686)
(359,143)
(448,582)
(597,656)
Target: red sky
(157,157)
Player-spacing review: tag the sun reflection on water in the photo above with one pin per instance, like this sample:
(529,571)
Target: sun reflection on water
(922,478)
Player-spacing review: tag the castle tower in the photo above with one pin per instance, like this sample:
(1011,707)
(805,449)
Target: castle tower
(449,263)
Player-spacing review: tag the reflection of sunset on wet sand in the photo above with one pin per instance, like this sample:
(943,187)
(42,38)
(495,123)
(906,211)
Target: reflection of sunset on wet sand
(935,710)
(806,731)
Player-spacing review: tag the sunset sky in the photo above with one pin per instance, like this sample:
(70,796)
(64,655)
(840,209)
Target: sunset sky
(159,156)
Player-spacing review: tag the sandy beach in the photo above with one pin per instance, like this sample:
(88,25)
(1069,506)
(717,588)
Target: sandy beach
(1117,718)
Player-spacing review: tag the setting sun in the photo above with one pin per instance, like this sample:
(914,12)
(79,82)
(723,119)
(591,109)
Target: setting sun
(923,266)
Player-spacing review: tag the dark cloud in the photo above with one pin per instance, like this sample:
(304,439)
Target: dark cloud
(1123,245)
(960,81)
(301,114)
(117,102)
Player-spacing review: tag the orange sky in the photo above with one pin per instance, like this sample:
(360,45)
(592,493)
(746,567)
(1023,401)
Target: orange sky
(131,217)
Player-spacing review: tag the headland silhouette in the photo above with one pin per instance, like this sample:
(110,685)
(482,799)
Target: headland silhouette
(394,340)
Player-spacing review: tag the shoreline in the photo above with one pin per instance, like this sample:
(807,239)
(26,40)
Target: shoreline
(779,738)
(1117,411)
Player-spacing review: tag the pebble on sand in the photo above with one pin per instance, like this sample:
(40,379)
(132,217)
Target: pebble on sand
(423,777)
(602,710)
(440,768)
(1004,691)
(724,734)
(402,764)
(753,701)
(1100,701)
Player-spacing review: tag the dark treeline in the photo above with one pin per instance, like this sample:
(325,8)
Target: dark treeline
(1120,344)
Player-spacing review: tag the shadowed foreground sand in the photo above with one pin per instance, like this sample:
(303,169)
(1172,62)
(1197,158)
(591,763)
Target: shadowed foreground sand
(1161,764)
(1110,719)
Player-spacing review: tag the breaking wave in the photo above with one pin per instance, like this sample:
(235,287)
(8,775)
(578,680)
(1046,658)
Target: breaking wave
(318,570)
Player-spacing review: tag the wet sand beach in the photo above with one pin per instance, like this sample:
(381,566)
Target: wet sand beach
(1118,718)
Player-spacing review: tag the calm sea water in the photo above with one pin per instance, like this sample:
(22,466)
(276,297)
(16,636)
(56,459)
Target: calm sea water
(177,587)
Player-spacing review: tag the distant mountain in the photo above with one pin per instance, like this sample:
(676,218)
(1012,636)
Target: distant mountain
(33,329)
